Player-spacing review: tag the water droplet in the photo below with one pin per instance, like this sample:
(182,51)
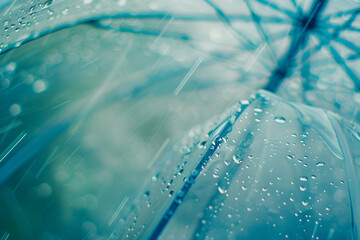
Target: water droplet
(290,156)
(304,203)
(303,178)
(244,188)
(244,102)
(48,3)
(10,67)
(302,188)
(237,159)
(202,144)
(216,173)
(44,190)
(320,164)
(39,86)
(65,11)
(221,190)
(280,119)
(15,109)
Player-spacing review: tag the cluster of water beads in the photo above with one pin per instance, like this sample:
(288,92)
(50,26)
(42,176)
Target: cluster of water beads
(233,173)
(40,86)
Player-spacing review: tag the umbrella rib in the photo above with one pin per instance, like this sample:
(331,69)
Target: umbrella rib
(261,31)
(288,13)
(338,59)
(224,18)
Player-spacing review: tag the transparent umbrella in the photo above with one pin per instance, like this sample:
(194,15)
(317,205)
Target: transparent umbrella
(93,92)
(272,169)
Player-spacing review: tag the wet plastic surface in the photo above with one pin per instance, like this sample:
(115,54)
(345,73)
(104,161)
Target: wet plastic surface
(95,95)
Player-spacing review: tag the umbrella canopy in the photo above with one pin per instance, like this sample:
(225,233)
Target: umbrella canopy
(94,81)
(285,168)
